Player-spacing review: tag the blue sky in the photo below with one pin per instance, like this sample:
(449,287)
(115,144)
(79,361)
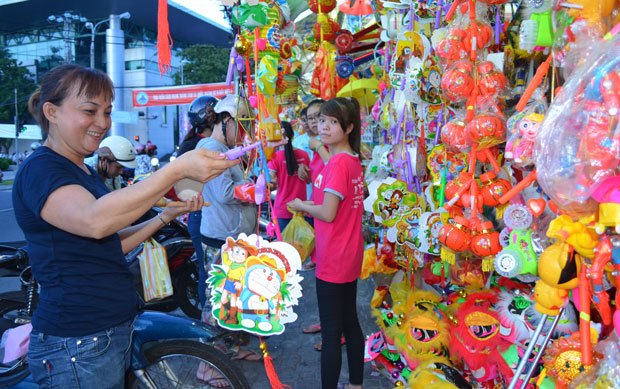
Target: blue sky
(210,9)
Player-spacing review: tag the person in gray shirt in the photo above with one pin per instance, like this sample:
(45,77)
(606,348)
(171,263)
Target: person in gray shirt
(227,215)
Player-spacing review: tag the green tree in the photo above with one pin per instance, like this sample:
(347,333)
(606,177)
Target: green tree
(205,64)
(13,75)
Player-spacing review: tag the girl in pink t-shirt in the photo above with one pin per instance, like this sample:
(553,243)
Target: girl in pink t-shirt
(283,170)
(337,210)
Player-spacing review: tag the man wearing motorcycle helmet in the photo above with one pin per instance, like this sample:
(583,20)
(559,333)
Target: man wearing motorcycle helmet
(115,153)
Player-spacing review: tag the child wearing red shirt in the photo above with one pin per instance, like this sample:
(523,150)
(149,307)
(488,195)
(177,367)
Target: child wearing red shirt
(337,209)
(283,170)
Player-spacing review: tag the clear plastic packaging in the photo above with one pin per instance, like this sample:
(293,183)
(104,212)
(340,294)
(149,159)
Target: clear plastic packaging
(458,81)
(578,144)
(521,127)
(453,134)
(606,373)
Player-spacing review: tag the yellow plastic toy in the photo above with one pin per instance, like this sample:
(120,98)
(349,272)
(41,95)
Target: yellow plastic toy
(559,268)
(580,235)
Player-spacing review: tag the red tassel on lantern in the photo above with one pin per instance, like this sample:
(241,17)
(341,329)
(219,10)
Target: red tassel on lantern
(164,40)
(274,380)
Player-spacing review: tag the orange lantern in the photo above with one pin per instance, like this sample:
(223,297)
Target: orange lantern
(483,32)
(321,6)
(490,81)
(458,83)
(486,130)
(457,186)
(454,236)
(493,188)
(451,48)
(486,244)
(453,135)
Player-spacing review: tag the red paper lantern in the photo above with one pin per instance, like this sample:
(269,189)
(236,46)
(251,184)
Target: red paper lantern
(325,5)
(456,236)
(329,27)
(486,242)
(486,130)
(493,188)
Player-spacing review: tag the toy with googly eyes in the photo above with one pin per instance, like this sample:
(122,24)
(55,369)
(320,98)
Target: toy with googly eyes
(475,340)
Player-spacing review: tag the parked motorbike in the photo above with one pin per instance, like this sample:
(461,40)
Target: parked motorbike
(167,351)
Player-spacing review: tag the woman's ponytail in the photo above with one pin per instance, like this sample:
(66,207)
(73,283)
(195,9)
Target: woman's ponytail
(289,152)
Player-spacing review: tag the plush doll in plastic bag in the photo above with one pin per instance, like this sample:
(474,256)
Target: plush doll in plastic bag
(578,145)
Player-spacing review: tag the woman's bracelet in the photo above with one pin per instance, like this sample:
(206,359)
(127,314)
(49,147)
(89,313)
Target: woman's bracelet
(161,219)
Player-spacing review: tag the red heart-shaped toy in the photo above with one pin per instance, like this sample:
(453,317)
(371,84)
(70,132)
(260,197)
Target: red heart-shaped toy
(537,206)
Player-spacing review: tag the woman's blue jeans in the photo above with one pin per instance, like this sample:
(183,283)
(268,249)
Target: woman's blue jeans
(99,360)
(193,226)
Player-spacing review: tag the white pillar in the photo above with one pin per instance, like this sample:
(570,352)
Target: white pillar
(115,55)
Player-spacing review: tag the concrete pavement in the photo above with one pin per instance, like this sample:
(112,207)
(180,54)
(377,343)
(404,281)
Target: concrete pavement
(294,358)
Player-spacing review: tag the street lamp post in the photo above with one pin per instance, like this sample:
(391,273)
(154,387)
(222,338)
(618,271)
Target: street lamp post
(93,31)
(183,62)
(67,18)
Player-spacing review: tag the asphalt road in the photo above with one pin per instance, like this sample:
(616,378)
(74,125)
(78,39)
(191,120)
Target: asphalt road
(10,233)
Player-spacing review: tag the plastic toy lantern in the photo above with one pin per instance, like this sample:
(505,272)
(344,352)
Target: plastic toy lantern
(493,188)
(451,47)
(483,34)
(453,135)
(457,187)
(486,131)
(454,237)
(486,244)
(458,82)
(490,81)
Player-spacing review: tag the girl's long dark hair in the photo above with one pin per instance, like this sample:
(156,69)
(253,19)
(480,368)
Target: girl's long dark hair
(289,152)
(347,111)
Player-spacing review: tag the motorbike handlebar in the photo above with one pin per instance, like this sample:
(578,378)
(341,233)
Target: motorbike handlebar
(11,259)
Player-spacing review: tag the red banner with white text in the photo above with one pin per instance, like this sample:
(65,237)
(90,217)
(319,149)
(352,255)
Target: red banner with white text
(183,94)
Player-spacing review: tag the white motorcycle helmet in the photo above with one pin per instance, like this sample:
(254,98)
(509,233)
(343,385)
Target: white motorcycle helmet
(123,150)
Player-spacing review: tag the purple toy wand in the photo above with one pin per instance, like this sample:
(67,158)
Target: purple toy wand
(438,15)
(498,22)
(438,130)
(231,64)
(240,150)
